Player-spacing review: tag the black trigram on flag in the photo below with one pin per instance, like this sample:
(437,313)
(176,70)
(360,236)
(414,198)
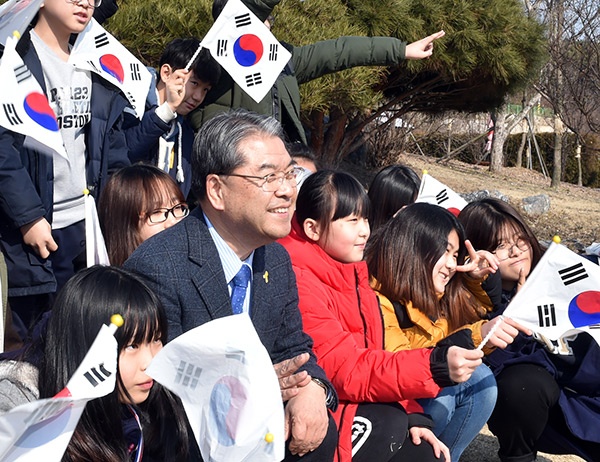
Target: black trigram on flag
(546,315)
(273,48)
(243,20)
(135,71)
(442,196)
(47,410)
(237,355)
(594,326)
(131,99)
(101,40)
(93,66)
(253,79)
(22,73)
(97,375)
(573,274)
(188,375)
(221,47)
(11,114)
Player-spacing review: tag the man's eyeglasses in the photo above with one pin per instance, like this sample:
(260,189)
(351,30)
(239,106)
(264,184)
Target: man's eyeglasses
(94,3)
(505,249)
(273,181)
(161,215)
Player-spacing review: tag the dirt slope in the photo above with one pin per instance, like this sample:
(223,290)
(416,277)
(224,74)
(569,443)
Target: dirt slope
(574,211)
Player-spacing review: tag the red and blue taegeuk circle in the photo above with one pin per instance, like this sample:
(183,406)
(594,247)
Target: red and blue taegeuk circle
(584,309)
(227,400)
(112,65)
(247,50)
(37,108)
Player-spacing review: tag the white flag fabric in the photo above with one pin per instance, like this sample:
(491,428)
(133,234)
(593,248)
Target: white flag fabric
(42,429)
(96,375)
(226,381)
(560,298)
(95,247)
(25,108)
(434,192)
(246,49)
(98,51)
(15,15)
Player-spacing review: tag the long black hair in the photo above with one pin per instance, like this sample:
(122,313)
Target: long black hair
(394,187)
(87,301)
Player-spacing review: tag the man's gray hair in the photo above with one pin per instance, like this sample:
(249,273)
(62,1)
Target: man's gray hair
(217,143)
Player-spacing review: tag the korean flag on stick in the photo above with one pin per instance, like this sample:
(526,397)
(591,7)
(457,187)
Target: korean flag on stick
(95,247)
(434,192)
(560,298)
(41,430)
(24,107)
(226,381)
(98,51)
(247,49)
(16,15)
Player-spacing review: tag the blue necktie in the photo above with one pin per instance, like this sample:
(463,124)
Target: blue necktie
(238,294)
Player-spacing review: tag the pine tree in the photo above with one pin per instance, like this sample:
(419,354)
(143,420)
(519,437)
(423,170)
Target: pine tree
(490,49)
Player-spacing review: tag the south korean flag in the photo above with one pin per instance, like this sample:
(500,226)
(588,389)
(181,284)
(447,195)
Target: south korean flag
(98,51)
(246,49)
(42,429)
(230,392)
(24,107)
(560,298)
(434,192)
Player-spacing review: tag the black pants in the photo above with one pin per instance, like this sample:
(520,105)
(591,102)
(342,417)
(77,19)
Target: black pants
(380,433)
(68,259)
(527,419)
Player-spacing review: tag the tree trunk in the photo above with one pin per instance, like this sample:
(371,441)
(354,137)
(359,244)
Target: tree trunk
(521,148)
(557,167)
(500,135)
(334,136)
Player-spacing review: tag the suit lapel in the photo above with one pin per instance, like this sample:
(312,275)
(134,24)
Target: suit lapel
(208,277)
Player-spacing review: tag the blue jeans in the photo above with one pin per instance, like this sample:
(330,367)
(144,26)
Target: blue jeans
(460,412)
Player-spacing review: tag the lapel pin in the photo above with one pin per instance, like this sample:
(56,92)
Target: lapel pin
(266,277)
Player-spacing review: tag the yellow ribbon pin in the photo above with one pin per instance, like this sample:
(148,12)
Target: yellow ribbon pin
(266,277)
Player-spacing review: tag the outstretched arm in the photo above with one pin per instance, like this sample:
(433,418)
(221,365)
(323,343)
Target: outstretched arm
(423,48)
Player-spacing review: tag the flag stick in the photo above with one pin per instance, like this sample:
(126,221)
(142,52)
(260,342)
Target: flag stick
(116,321)
(490,333)
(193,58)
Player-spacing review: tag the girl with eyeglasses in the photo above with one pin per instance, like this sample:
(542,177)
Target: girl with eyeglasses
(546,402)
(138,202)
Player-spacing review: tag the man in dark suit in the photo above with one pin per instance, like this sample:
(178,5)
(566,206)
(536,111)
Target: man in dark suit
(245,182)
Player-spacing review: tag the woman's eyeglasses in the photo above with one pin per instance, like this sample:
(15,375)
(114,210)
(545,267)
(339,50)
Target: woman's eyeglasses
(161,215)
(505,250)
(94,3)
